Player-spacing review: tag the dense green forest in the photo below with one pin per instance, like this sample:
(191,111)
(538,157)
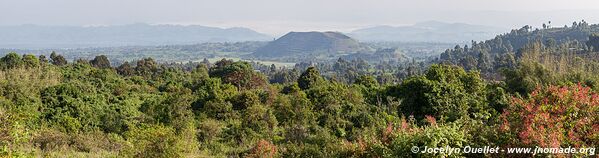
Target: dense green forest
(505,50)
(545,95)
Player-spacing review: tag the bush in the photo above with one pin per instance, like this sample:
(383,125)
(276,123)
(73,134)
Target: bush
(554,117)
(397,140)
(263,149)
(154,141)
(445,92)
(209,130)
(49,139)
(73,107)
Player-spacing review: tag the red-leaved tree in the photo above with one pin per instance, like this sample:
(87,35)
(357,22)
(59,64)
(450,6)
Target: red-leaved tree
(553,117)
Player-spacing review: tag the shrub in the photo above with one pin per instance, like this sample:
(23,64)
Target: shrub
(397,140)
(154,141)
(554,117)
(446,92)
(263,149)
(209,130)
(49,139)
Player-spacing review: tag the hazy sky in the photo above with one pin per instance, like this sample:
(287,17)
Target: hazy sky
(279,16)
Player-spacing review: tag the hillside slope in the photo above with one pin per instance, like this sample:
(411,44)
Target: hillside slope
(309,44)
(506,49)
(431,31)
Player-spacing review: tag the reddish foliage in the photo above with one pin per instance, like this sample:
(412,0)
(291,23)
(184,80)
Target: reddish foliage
(431,120)
(362,145)
(554,116)
(263,149)
(404,124)
(387,132)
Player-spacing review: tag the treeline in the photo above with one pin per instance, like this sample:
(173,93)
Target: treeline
(505,51)
(51,108)
(346,71)
(163,53)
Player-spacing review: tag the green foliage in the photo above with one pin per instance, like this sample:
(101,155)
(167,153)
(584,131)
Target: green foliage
(367,81)
(58,60)
(446,92)
(101,62)
(435,136)
(30,61)
(229,110)
(12,133)
(527,77)
(146,68)
(294,109)
(245,100)
(153,141)
(399,138)
(209,130)
(11,60)
(339,108)
(125,69)
(173,109)
(259,119)
(212,97)
(593,42)
(504,50)
(284,76)
(72,107)
(240,74)
(309,78)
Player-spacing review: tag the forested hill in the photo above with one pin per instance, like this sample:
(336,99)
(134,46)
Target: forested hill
(505,50)
(309,44)
(430,31)
(35,36)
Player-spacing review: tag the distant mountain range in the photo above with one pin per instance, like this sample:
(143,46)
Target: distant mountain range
(431,31)
(305,45)
(35,36)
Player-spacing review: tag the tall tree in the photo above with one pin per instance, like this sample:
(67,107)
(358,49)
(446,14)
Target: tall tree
(593,42)
(30,61)
(43,59)
(57,59)
(445,92)
(100,62)
(11,60)
(309,78)
(241,74)
(125,69)
(146,67)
